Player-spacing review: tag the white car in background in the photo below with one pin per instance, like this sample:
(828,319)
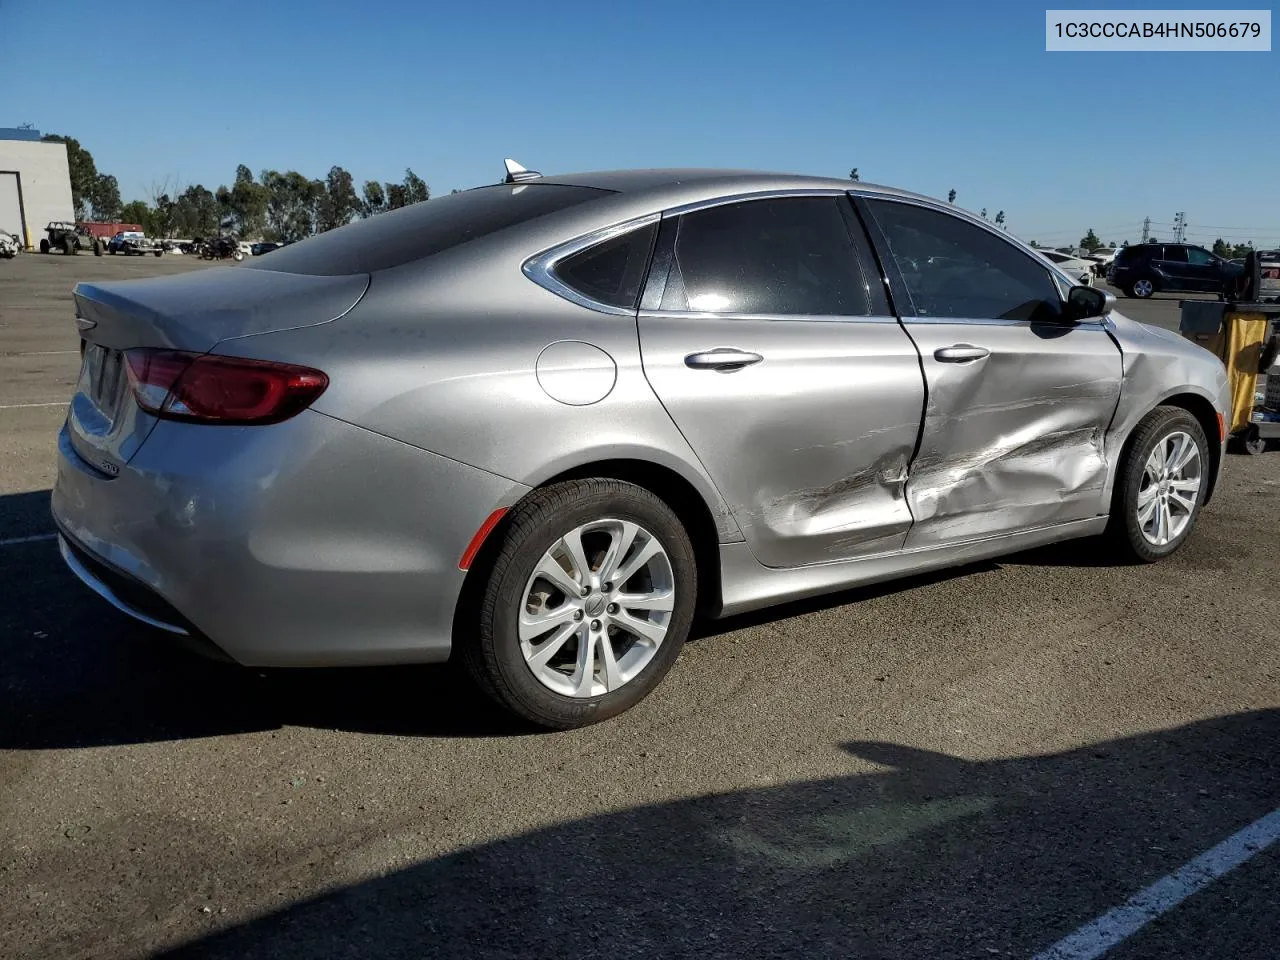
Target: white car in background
(9,245)
(1077,267)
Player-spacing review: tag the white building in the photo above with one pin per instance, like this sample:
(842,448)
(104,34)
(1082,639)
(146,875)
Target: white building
(35,185)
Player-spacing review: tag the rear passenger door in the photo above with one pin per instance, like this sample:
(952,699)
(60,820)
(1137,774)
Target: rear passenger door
(1173,265)
(1019,400)
(766,334)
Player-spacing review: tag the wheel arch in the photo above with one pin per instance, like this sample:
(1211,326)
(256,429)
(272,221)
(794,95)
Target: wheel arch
(1206,415)
(674,489)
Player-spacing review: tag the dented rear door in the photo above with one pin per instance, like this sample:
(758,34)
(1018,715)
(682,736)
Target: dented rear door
(775,354)
(1018,400)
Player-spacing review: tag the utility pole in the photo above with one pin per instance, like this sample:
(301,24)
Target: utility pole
(1146,229)
(1179,227)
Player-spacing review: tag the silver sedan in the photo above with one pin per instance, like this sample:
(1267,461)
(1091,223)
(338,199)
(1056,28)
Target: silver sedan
(543,424)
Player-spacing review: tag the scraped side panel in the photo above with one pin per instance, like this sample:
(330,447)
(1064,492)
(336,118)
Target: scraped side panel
(1014,440)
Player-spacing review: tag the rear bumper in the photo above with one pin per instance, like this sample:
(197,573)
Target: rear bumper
(308,543)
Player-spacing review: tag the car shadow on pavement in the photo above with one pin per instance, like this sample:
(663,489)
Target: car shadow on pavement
(927,855)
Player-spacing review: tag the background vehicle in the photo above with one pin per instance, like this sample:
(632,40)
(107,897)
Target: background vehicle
(1077,268)
(221,248)
(543,423)
(69,238)
(135,245)
(9,245)
(258,249)
(1147,268)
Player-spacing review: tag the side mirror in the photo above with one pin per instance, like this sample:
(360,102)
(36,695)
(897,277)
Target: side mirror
(1085,303)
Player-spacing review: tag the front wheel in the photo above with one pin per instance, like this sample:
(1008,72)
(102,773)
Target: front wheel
(1253,442)
(587,603)
(1161,484)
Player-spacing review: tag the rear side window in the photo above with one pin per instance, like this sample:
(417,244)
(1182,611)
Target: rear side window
(611,271)
(788,256)
(1175,255)
(958,270)
(390,239)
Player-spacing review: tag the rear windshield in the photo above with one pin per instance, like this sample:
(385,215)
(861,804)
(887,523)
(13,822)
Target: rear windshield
(390,239)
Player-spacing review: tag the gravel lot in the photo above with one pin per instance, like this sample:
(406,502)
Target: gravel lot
(972,764)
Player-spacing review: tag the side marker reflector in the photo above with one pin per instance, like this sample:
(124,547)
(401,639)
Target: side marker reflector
(486,528)
(1222,428)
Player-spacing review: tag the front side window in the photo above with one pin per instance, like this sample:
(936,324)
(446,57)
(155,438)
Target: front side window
(611,271)
(1199,258)
(958,270)
(786,255)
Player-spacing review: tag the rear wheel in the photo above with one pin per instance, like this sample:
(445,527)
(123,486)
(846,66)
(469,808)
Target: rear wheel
(1161,485)
(1141,289)
(587,603)
(1253,442)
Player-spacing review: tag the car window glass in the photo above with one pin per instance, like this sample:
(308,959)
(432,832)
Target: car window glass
(1175,255)
(1201,258)
(610,271)
(956,269)
(788,255)
(421,229)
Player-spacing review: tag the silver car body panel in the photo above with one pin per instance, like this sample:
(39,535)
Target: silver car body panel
(461,381)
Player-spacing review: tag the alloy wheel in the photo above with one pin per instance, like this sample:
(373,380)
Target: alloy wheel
(596,608)
(1170,488)
(1143,288)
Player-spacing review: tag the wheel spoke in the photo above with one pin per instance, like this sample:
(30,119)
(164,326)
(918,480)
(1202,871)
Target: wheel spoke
(622,539)
(1187,452)
(573,546)
(549,648)
(637,560)
(1187,504)
(532,627)
(1146,496)
(662,601)
(1186,485)
(609,664)
(585,673)
(550,569)
(1159,457)
(1162,523)
(644,629)
(1145,511)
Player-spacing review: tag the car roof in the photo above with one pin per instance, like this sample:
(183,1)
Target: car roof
(678,180)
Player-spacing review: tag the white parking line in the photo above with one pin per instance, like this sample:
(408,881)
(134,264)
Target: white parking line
(14,541)
(25,406)
(1096,938)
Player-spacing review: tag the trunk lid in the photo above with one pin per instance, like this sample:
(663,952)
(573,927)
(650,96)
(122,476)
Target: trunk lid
(192,312)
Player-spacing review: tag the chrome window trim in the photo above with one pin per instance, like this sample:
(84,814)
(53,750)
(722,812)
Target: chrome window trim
(776,317)
(540,268)
(1029,252)
(1090,322)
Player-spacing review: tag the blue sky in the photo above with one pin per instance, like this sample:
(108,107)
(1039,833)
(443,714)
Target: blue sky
(927,96)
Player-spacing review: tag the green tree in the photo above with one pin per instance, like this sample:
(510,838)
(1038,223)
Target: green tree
(1000,219)
(291,203)
(1033,244)
(853,174)
(951,195)
(137,211)
(84,173)
(984,213)
(415,190)
(1241,250)
(375,199)
(1221,249)
(338,204)
(243,206)
(196,212)
(104,197)
(1090,241)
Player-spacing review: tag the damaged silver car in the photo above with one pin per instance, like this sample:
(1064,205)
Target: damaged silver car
(539,425)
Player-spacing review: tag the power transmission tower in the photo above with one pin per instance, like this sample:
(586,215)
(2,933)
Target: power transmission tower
(1179,227)
(1146,229)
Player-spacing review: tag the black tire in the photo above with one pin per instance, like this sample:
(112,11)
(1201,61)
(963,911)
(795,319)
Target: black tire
(44,245)
(158,252)
(489,641)
(1253,443)
(1124,529)
(69,247)
(97,248)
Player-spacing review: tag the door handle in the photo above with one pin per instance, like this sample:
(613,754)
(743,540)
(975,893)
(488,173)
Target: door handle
(722,358)
(960,353)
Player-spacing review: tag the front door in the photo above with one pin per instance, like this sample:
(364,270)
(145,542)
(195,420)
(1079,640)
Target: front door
(1204,270)
(1018,401)
(767,337)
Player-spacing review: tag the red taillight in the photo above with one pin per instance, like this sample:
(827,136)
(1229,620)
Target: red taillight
(210,389)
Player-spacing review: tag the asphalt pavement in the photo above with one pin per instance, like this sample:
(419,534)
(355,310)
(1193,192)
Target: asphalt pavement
(971,764)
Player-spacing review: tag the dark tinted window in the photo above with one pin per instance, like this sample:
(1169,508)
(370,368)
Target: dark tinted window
(956,269)
(790,255)
(611,272)
(1175,255)
(411,233)
(1199,257)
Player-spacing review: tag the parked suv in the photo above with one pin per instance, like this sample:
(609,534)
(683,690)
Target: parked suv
(1146,268)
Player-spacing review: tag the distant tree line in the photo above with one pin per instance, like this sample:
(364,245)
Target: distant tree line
(275,206)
